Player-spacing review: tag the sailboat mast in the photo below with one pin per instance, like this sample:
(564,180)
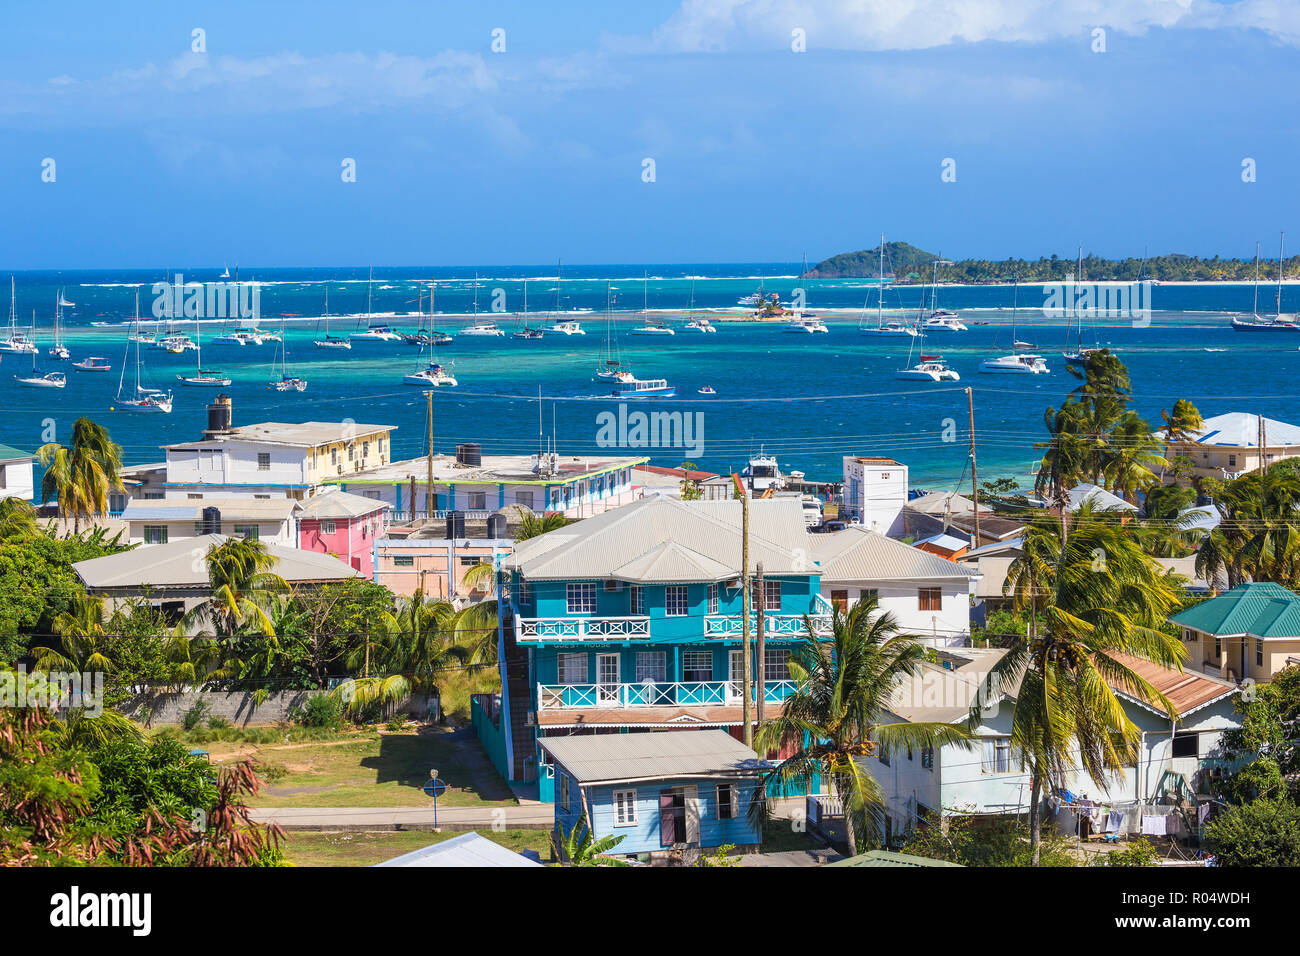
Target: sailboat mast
(1281,255)
(1255,307)
(880,283)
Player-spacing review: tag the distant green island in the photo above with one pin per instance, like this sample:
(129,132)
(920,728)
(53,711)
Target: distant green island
(906,264)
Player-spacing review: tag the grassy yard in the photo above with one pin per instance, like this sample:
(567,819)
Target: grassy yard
(371,769)
(366,849)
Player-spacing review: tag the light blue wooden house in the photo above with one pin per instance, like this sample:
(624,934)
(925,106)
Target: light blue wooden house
(632,621)
(661,792)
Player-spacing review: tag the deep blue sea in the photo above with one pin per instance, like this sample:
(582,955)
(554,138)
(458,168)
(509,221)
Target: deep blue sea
(809,399)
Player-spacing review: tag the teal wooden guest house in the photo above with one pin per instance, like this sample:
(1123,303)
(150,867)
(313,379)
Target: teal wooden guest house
(631,621)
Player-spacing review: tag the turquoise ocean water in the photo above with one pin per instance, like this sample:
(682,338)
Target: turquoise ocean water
(809,399)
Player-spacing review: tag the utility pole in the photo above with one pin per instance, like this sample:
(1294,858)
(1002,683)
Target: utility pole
(414,499)
(974,483)
(1263,446)
(759,645)
(428,501)
(745,663)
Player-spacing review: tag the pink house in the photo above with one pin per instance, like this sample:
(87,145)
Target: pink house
(343,525)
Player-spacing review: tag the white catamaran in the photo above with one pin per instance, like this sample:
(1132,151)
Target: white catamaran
(16,342)
(1017,363)
(202,378)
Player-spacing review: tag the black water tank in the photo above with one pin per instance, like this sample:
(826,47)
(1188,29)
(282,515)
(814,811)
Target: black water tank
(456,524)
(219,415)
(212,520)
(497,526)
(469,453)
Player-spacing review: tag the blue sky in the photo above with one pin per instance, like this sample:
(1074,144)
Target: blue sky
(169,158)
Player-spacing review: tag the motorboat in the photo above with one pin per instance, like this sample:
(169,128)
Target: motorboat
(762,473)
(645,388)
(1018,363)
(652,328)
(563,327)
(434,376)
(805,324)
(943,320)
(708,390)
(93,363)
(699,324)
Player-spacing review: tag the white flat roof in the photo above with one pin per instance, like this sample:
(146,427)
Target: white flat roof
(298,434)
(495,469)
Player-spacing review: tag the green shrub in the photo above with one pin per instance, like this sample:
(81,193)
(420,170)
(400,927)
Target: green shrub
(218,723)
(321,711)
(1259,833)
(194,716)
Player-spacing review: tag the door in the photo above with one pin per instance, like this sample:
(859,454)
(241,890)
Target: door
(735,675)
(672,816)
(607,678)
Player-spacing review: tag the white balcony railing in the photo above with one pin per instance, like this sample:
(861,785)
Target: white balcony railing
(774,625)
(710,693)
(581,628)
(534,629)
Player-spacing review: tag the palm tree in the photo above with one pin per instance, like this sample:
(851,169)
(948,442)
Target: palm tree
(81,476)
(1092,596)
(17,518)
(475,625)
(241,582)
(531,524)
(837,714)
(81,639)
(1258,536)
(578,848)
(1134,457)
(1184,423)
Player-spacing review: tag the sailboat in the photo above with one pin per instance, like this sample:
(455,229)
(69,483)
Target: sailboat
(375,332)
(526,331)
(941,320)
(64,303)
(58,350)
(477,326)
(202,378)
(142,399)
(696,323)
(433,375)
(286,382)
(48,380)
(882,327)
(1080,353)
(330,341)
(1258,323)
(16,342)
(610,367)
(1017,363)
(931,368)
(558,325)
(225,271)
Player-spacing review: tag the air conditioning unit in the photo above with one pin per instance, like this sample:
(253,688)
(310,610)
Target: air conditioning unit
(613,586)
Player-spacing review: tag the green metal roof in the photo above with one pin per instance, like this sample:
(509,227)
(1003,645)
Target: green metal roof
(888,858)
(9,453)
(1260,609)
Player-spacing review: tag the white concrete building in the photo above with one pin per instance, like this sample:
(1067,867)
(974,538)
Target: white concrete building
(875,493)
(16,474)
(272,520)
(986,778)
(926,594)
(1229,445)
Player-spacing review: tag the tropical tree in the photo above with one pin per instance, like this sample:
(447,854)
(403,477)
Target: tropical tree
(1094,599)
(578,848)
(1135,460)
(531,524)
(17,518)
(1258,535)
(1182,424)
(837,715)
(81,475)
(81,639)
(475,626)
(241,583)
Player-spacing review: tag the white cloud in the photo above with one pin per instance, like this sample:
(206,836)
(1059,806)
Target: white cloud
(735,25)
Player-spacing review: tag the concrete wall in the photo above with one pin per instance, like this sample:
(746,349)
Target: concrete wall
(239,707)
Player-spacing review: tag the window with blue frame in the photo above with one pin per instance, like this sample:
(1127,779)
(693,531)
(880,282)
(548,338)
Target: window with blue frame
(676,602)
(581,597)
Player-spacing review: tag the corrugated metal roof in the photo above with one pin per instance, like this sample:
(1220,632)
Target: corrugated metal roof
(174,565)
(889,858)
(232,509)
(1260,609)
(860,554)
(9,453)
(1241,430)
(468,849)
(1099,498)
(597,546)
(340,504)
(651,756)
(945,502)
(1186,690)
